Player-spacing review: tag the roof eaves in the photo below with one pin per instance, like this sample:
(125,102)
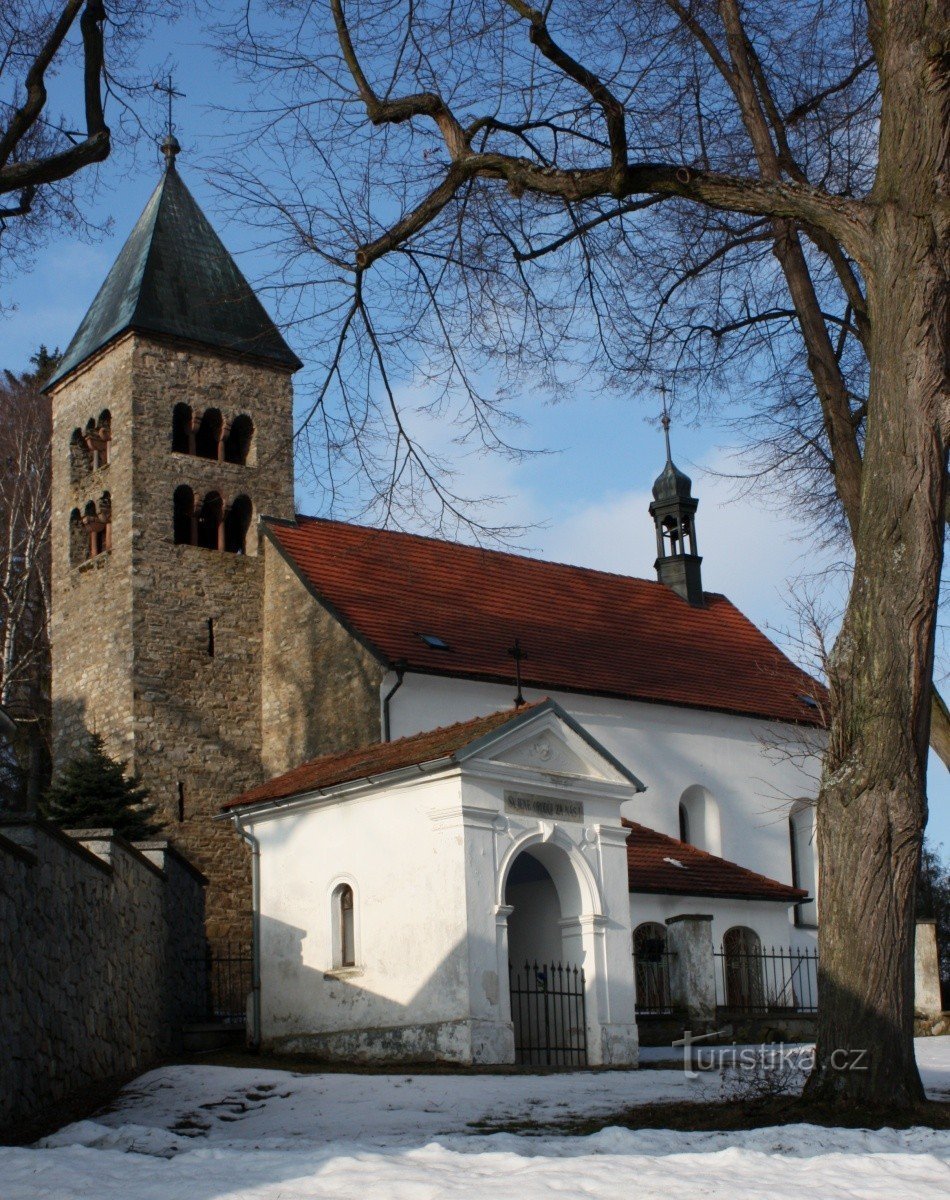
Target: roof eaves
(339,790)
(793,896)
(417,668)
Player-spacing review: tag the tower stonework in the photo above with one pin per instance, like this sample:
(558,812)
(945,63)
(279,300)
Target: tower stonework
(172,434)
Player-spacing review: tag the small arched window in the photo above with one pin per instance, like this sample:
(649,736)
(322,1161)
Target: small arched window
(344,927)
(236,524)
(209,434)
(183,430)
(801,837)
(699,819)
(237,445)
(210,531)
(184,507)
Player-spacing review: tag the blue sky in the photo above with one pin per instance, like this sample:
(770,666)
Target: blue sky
(584,503)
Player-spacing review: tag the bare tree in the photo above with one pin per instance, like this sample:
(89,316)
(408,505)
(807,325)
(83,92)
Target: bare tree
(25,432)
(89,49)
(707,190)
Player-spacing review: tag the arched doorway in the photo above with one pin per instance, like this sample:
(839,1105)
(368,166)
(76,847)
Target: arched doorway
(742,966)
(546,975)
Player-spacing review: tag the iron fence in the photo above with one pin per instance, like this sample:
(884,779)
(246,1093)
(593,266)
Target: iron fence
(760,981)
(651,965)
(221,982)
(549,1012)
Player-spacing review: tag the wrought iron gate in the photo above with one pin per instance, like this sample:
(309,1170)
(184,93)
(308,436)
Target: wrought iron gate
(549,1012)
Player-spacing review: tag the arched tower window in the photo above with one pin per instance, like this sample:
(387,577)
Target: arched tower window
(209,434)
(104,437)
(80,458)
(237,444)
(183,429)
(210,532)
(97,436)
(684,823)
(78,539)
(236,525)
(97,523)
(344,926)
(186,533)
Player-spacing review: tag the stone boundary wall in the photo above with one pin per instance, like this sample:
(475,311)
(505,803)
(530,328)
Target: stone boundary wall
(96,941)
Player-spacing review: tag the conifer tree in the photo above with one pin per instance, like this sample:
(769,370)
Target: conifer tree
(93,792)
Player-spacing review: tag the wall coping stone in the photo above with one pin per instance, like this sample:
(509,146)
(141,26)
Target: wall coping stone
(18,851)
(115,840)
(168,848)
(57,835)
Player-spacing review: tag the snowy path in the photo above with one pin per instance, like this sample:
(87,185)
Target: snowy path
(218,1133)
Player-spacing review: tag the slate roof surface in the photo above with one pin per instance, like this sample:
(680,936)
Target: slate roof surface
(658,863)
(582,630)
(175,277)
(370,761)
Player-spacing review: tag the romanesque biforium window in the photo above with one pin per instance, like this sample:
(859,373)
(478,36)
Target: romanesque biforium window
(210,522)
(344,927)
(90,530)
(89,447)
(208,435)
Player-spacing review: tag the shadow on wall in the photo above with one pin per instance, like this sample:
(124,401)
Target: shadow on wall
(386,996)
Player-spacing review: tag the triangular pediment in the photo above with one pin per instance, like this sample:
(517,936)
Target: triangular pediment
(548,751)
(550,744)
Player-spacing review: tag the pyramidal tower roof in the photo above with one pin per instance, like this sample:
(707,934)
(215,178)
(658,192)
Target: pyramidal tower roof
(175,277)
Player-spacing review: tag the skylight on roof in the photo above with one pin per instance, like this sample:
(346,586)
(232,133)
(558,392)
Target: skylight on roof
(808,701)
(433,642)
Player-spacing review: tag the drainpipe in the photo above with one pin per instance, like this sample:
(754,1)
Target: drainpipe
(400,669)
(251,840)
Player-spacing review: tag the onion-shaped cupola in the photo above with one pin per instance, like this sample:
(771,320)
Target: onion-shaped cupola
(674,515)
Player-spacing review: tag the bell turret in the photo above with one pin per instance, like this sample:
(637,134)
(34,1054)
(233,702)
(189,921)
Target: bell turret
(674,515)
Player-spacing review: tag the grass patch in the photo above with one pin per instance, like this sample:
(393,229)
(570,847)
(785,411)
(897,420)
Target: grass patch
(725,1115)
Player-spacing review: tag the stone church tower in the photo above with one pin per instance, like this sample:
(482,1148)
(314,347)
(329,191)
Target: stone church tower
(172,433)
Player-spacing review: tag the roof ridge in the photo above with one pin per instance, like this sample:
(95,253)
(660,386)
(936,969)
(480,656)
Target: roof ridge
(433,732)
(532,558)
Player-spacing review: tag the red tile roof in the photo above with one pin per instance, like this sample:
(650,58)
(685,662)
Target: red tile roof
(581,630)
(369,761)
(652,863)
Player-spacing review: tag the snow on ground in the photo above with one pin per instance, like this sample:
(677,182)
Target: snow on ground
(219,1133)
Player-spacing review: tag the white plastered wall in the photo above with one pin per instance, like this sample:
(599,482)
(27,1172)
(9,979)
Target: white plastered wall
(744,764)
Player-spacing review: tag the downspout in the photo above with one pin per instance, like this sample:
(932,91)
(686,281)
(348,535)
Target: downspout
(254,844)
(400,669)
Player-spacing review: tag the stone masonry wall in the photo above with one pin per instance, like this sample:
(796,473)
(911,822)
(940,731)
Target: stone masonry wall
(321,686)
(130,629)
(91,623)
(95,942)
(197,718)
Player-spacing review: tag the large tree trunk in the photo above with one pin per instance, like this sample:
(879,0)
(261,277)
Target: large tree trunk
(872,807)
(872,804)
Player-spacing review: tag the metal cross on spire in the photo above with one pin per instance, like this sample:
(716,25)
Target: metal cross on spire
(170,146)
(665,422)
